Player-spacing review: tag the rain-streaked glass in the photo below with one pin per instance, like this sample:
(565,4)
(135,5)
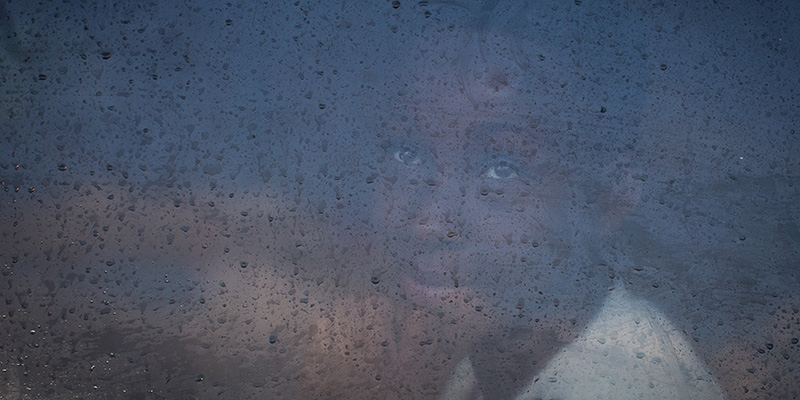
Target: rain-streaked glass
(400,200)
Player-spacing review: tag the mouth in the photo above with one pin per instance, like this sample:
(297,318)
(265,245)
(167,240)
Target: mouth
(436,273)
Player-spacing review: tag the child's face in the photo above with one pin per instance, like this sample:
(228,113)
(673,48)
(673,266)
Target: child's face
(475,204)
(478,215)
(482,211)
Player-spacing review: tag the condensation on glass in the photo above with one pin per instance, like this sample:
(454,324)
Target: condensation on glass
(399,200)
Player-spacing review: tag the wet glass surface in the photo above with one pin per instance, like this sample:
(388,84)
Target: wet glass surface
(399,200)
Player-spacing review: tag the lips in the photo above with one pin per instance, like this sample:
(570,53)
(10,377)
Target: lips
(436,272)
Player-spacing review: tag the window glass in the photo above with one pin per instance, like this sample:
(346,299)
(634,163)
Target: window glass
(399,199)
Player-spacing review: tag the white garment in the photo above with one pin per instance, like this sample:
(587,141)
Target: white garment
(628,351)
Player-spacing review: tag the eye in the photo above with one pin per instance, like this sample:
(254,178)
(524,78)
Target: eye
(407,155)
(501,169)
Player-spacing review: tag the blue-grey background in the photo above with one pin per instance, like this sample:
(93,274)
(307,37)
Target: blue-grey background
(199,201)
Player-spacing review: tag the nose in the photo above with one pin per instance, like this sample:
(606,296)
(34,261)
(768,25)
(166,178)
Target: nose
(440,211)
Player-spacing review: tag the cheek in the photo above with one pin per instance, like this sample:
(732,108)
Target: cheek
(534,210)
(393,207)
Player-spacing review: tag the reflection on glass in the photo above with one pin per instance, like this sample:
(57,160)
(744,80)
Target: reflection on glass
(399,200)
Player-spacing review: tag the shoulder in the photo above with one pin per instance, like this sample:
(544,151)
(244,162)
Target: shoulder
(629,350)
